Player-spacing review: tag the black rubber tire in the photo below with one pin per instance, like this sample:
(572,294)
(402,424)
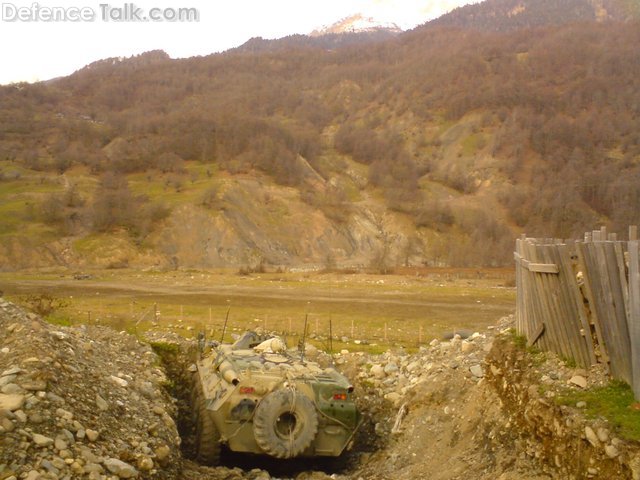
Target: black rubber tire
(207,444)
(282,410)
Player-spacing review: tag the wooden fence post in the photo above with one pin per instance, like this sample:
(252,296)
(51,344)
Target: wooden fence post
(634,314)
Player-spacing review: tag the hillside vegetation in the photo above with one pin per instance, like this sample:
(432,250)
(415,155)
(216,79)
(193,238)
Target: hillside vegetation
(433,147)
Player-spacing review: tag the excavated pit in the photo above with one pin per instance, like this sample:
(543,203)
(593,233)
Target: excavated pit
(177,358)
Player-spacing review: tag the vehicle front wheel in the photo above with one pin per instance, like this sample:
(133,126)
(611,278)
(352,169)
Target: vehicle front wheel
(207,445)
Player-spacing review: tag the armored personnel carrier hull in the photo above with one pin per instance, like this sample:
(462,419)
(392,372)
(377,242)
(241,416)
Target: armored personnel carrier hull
(257,396)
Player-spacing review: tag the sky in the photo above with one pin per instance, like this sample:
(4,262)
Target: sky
(33,48)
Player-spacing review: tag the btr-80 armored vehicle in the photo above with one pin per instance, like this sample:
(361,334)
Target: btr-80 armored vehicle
(259,397)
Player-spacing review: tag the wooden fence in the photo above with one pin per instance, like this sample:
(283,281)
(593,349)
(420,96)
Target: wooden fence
(581,300)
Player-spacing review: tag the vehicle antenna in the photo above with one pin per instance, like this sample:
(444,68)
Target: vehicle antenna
(224,327)
(304,337)
(330,336)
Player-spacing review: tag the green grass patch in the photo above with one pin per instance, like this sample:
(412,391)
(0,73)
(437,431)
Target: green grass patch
(472,144)
(538,356)
(613,402)
(59,319)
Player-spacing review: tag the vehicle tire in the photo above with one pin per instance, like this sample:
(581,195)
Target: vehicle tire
(207,444)
(285,423)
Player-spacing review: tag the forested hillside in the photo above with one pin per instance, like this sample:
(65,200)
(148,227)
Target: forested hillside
(436,146)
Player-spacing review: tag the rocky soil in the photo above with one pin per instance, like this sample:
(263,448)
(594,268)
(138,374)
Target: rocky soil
(89,402)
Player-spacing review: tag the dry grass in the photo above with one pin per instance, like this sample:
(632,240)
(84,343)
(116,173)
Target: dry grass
(380,310)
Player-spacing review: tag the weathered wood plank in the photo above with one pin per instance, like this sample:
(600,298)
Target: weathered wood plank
(619,309)
(575,303)
(543,268)
(536,335)
(520,291)
(538,303)
(624,276)
(608,313)
(551,311)
(584,260)
(583,353)
(601,305)
(560,314)
(536,267)
(634,313)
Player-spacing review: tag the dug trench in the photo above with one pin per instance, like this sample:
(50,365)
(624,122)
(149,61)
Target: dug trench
(88,402)
(481,408)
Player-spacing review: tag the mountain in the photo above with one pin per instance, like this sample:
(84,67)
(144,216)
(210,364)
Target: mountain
(358,23)
(511,15)
(434,147)
(353,31)
(328,41)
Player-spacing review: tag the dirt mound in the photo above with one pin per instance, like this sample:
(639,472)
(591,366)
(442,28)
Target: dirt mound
(82,402)
(438,419)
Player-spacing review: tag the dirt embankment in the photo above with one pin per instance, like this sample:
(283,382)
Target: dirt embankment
(565,443)
(87,402)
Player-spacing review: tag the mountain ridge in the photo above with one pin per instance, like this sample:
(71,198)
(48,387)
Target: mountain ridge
(510,15)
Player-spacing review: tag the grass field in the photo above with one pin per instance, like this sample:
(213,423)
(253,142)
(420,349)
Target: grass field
(381,311)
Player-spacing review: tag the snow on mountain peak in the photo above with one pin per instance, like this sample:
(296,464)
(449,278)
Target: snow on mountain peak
(357,23)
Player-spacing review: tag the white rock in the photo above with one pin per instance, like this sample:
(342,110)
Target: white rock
(41,440)
(92,435)
(61,444)
(591,436)
(466,347)
(611,451)
(145,463)
(391,368)
(64,414)
(7,379)
(119,381)
(101,403)
(33,475)
(413,366)
(11,402)
(377,371)
(476,371)
(603,435)
(579,381)
(120,468)
(12,389)
(11,371)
